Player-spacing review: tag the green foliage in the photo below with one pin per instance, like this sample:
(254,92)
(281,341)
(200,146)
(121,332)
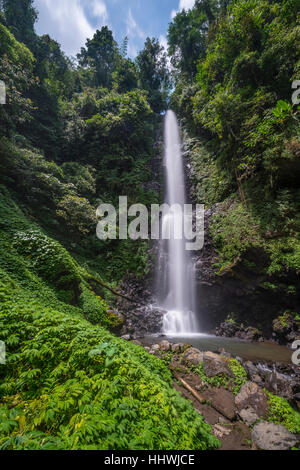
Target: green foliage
(187,40)
(77,213)
(124,257)
(112,132)
(15,51)
(234,232)
(11,217)
(51,261)
(245,128)
(125,77)
(69,385)
(238,234)
(280,412)
(48,190)
(101,53)
(16,66)
(53,68)
(81,176)
(20,16)
(285,255)
(240,375)
(93,307)
(283,110)
(154,74)
(222,380)
(212,184)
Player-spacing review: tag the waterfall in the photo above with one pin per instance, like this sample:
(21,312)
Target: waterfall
(176,271)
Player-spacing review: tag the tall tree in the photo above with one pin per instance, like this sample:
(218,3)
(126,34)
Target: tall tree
(126,76)
(154,74)
(209,7)
(187,38)
(20,16)
(102,53)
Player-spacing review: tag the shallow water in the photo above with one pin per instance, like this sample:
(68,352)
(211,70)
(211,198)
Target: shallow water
(266,352)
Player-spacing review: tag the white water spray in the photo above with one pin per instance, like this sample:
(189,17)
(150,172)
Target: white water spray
(176,270)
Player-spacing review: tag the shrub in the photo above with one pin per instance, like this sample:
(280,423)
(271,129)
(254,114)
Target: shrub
(280,412)
(93,307)
(51,261)
(77,213)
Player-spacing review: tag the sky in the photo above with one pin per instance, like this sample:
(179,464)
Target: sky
(71,22)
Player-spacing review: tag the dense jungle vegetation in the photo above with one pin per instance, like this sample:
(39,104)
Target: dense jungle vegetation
(76,133)
(235,63)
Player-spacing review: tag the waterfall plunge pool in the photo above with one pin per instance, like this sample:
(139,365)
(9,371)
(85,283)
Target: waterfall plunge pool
(262,352)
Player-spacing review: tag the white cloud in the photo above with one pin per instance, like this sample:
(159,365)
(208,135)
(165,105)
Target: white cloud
(66,21)
(133,32)
(183,5)
(164,43)
(100,10)
(186,4)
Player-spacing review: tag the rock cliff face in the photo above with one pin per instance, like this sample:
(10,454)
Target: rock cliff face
(239,293)
(236,303)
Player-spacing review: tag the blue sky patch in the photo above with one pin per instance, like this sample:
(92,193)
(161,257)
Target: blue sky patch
(71,22)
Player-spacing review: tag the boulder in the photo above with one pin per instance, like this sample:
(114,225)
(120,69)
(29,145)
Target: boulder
(252,372)
(192,357)
(154,349)
(270,436)
(248,416)
(230,329)
(286,329)
(280,385)
(264,371)
(253,398)
(165,346)
(227,329)
(224,353)
(126,337)
(223,401)
(141,320)
(179,347)
(215,365)
(248,334)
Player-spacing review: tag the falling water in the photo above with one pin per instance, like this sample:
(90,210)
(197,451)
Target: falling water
(176,270)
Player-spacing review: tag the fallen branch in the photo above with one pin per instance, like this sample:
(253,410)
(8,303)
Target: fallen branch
(93,279)
(189,388)
(194,393)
